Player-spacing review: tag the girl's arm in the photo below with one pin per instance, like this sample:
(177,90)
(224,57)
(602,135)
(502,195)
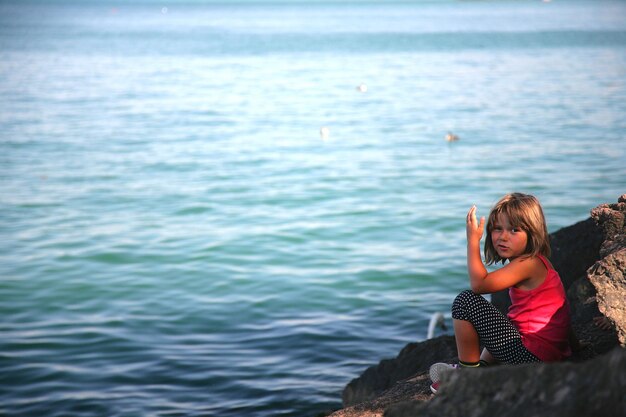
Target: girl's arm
(475,267)
(481,281)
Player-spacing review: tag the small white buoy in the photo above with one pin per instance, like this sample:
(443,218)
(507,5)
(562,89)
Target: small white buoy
(451,137)
(164,10)
(362,88)
(436,320)
(325,132)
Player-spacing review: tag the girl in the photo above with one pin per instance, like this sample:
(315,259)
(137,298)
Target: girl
(538,322)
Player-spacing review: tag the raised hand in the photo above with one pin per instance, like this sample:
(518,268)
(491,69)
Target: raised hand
(474,229)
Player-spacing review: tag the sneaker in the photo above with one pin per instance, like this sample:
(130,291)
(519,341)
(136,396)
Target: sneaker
(434,387)
(436,370)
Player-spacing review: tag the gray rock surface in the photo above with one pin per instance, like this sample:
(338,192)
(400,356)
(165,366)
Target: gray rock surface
(415,358)
(610,218)
(594,388)
(607,275)
(411,389)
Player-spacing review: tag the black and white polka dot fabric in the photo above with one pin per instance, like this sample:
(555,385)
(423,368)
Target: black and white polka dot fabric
(494,329)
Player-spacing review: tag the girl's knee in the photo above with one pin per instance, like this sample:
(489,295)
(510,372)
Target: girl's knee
(461,304)
(463,298)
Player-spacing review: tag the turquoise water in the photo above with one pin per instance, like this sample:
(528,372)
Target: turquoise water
(177,238)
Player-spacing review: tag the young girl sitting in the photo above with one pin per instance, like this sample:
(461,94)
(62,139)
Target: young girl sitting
(538,322)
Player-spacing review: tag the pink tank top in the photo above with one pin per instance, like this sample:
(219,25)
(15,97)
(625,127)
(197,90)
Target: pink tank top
(542,317)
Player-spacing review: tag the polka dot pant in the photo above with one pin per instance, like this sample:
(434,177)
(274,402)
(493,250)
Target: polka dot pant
(494,329)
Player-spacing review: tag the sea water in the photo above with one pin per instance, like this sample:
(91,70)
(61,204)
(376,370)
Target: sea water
(177,237)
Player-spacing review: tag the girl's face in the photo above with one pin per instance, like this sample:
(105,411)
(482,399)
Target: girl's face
(509,241)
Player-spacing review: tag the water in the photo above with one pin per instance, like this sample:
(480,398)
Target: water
(177,238)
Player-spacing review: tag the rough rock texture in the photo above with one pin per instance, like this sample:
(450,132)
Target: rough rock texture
(413,359)
(607,275)
(593,388)
(416,389)
(610,217)
(591,259)
(582,297)
(574,249)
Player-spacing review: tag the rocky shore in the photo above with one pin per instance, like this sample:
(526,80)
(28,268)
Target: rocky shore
(591,259)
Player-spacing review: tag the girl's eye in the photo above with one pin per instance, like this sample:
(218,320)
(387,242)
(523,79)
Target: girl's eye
(515,230)
(497,228)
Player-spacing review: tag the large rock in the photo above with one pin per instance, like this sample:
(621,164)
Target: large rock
(584,309)
(413,359)
(593,388)
(574,249)
(416,388)
(610,218)
(607,275)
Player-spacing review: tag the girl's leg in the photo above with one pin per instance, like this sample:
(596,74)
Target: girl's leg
(467,343)
(493,328)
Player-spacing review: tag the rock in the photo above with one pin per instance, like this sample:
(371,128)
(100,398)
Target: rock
(592,388)
(582,297)
(610,218)
(574,249)
(414,358)
(416,388)
(607,276)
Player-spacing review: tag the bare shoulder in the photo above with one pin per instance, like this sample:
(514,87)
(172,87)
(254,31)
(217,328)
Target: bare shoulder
(534,270)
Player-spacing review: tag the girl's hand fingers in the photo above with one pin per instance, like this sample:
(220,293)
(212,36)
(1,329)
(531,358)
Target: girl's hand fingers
(474,228)
(471,214)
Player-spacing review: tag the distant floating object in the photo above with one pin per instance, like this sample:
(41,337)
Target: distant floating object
(362,88)
(325,132)
(547,1)
(164,10)
(451,137)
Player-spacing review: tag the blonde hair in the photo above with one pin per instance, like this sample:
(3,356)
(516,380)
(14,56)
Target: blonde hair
(523,211)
